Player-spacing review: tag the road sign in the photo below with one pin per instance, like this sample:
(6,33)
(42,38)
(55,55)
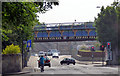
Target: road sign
(29,43)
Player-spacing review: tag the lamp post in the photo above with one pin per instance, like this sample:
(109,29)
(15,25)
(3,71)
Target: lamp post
(23,53)
(98,7)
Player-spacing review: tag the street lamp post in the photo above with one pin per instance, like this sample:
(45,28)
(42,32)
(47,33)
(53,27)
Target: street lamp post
(23,42)
(98,7)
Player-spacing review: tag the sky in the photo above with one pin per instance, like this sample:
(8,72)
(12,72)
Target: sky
(71,10)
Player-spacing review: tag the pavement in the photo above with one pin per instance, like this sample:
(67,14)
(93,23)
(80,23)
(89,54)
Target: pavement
(25,70)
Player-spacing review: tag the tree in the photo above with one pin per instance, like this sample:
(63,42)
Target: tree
(118,13)
(107,28)
(18,20)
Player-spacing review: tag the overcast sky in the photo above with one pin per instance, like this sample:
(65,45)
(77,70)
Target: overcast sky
(71,10)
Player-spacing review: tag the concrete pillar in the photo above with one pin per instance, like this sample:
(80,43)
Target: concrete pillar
(74,49)
(88,30)
(75,32)
(48,31)
(61,31)
(70,48)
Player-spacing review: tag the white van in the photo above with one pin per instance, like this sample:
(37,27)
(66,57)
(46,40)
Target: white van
(51,51)
(41,53)
(55,55)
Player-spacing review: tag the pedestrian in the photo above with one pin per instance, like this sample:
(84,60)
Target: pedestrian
(42,63)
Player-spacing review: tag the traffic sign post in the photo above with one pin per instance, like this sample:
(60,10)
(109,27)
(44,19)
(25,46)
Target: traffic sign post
(109,50)
(109,55)
(28,48)
(109,58)
(92,49)
(109,45)
(29,45)
(102,49)
(92,57)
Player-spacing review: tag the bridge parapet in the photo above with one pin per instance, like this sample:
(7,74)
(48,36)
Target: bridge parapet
(79,32)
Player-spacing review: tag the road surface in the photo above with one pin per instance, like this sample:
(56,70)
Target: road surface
(78,68)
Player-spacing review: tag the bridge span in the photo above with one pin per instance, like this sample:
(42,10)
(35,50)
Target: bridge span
(78,31)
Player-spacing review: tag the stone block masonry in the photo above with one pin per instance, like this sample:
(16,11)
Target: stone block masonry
(11,63)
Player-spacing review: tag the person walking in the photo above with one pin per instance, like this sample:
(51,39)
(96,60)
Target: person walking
(42,63)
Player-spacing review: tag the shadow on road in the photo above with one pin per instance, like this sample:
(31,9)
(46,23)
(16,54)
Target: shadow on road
(115,66)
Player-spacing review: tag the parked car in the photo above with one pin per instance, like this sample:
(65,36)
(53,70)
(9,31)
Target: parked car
(55,55)
(68,61)
(51,51)
(41,53)
(34,54)
(47,62)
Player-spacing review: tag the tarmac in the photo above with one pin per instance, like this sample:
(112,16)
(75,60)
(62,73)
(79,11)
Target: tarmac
(27,70)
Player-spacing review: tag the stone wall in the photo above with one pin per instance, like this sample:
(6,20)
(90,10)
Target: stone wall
(86,56)
(79,58)
(11,63)
(89,54)
(63,47)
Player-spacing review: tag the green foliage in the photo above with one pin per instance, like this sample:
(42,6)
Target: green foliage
(12,49)
(118,15)
(97,44)
(5,37)
(18,20)
(119,60)
(106,26)
(83,47)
